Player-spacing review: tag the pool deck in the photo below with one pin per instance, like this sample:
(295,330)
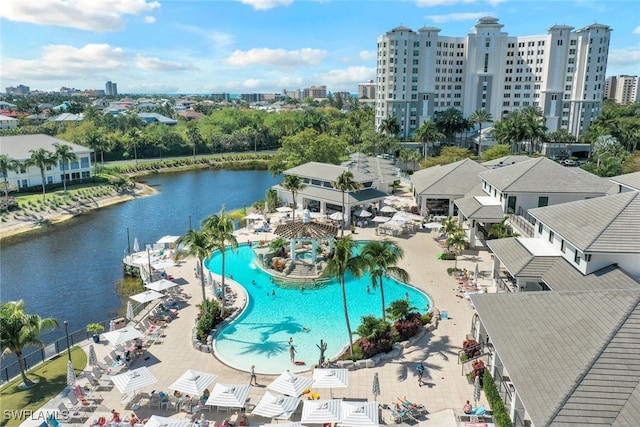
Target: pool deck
(445,389)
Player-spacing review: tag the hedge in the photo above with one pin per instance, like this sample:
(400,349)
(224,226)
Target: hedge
(500,414)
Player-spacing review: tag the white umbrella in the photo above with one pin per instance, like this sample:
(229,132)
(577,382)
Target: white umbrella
(476,273)
(359,414)
(121,336)
(435,225)
(476,389)
(136,245)
(112,325)
(290,384)
(134,380)
(71,374)
(331,378)
(407,216)
(380,219)
(276,406)
(146,296)
(130,314)
(284,209)
(93,359)
(375,388)
(229,395)
(395,222)
(337,216)
(193,382)
(160,285)
(321,411)
(388,209)
(158,421)
(254,216)
(362,213)
(211,282)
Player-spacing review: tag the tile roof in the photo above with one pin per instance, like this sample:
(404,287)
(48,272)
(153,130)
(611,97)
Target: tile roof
(473,209)
(453,180)
(542,175)
(629,180)
(511,253)
(505,161)
(601,224)
(17,147)
(326,172)
(334,196)
(314,230)
(572,356)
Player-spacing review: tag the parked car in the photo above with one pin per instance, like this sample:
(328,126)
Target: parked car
(569,162)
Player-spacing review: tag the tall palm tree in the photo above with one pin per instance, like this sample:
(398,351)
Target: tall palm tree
(64,154)
(479,117)
(390,126)
(94,140)
(7,164)
(450,121)
(534,125)
(220,229)
(200,245)
(381,257)
(19,330)
(342,262)
(294,184)
(345,183)
(428,132)
(42,159)
(457,242)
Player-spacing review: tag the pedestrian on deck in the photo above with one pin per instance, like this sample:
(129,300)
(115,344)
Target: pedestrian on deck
(253,380)
(420,372)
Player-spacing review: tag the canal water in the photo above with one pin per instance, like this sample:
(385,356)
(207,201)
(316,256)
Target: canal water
(68,271)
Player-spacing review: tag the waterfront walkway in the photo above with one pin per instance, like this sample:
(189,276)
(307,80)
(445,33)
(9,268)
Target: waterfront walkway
(446,389)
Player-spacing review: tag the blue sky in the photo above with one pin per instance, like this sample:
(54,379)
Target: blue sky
(247,46)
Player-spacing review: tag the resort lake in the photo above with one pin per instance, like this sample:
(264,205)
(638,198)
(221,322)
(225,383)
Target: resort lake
(68,271)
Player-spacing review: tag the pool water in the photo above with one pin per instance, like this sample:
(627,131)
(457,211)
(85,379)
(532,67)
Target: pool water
(260,335)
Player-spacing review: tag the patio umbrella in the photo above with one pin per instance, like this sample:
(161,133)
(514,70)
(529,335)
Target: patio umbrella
(211,282)
(476,273)
(362,213)
(375,388)
(193,382)
(435,225)
(130,314)
(121,336)
(276,406)
(112,325)
(284,209)
(476,389)
(93,359)
(331,378)
(160,285)
(359,414)
(254,216)
(146,296)
(136,245)
(388,209)
(290,384)
(158,421)
(71,374)
(380,219)
(134,380)
(321,411)
(229,395)
(336,216)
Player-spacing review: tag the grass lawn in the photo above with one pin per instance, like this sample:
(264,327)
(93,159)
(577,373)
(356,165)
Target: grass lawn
(52,379)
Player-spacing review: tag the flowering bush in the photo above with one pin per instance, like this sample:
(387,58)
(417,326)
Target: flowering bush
(478,369)
(372,347)
(408,327)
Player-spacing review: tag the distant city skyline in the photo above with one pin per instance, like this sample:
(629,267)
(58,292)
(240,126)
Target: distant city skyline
(257,46)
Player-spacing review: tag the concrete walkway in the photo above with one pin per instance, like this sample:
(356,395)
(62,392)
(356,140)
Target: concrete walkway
(446,388)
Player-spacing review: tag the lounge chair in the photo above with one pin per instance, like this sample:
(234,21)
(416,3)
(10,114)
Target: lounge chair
(72,415)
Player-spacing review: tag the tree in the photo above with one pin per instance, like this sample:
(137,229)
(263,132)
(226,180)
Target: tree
(345,183)
(294,184)
(220,229)
(193,136)
(200,245)
(342,262)
(458,242)
(534,128)
(19,329)
(428,132)
(495,152)
(373,327)
(7,164)
(132,137)
(381,258)
(400,309)
(390,126)
(64,153)
(450,121)
(41,159)
(479,117)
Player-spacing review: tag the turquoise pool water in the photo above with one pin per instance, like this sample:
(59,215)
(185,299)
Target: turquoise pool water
(259,336)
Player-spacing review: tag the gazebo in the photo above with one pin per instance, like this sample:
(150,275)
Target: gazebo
(307,231)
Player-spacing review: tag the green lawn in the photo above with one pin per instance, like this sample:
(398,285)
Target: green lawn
(52,379)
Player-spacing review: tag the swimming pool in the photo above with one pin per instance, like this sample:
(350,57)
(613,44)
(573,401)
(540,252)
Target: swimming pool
(259,336)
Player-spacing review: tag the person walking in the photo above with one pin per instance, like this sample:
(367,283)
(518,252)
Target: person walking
(420,373)
(292,354)
(253,380)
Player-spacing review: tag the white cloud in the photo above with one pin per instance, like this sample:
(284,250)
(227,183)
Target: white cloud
(450,17)
(216,38)
(368,55)
(432,3)
(266,4)
(636,30)
(139,87)
(156,64)
(347,77)
(90,15)
(63,61)
(624,57)
(277,57)
(149,19)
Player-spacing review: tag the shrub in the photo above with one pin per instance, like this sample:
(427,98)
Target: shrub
(372,347)
(448,256)
(500,414)
(471,348)
(408,328)
(426,318)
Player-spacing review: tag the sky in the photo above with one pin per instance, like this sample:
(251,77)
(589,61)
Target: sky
(258,46)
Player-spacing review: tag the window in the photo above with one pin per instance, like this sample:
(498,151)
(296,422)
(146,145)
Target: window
(562,248)
(511,204)
(49,180)
(539,228)
(551,234)
(543,201)
(576,257)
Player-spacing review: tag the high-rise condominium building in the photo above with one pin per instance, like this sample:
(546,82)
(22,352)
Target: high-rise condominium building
(420,73)
(314,92)
(623,89)
(110,88)
(367,90)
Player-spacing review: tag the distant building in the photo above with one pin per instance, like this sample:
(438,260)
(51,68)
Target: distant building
(7,106)
(19,90)
(293,94)
(110,88)
(623,89)
(367,90)
(314,92)
(8,122)
(220,96)
(156,118)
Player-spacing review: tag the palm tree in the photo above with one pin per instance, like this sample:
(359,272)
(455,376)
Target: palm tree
(294,184)
(94,140)
(428,133)
(200,245)
(478,117)
(400,309)
(132,137)
(64,153)
(7,164)
(19,330)
(338,266)
(534,128)
(381,258)
(345,183)
(220,229)
(390,126)
(193,136)
(450,121)
(458,242)
(42,159)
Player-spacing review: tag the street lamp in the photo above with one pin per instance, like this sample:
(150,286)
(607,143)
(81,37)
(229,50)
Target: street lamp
(66,330)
